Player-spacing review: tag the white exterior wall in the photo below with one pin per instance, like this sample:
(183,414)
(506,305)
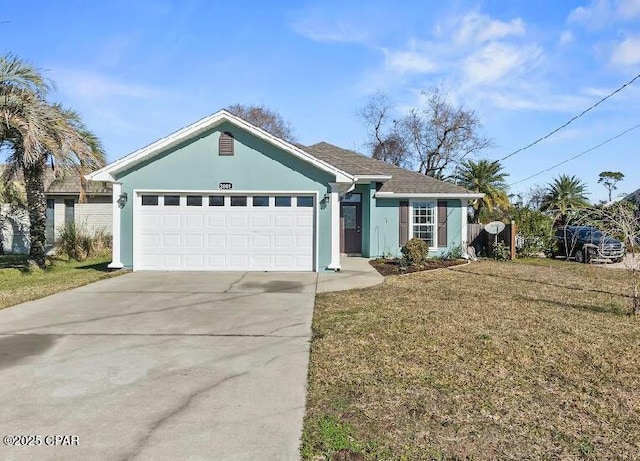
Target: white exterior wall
(95,215)
(15,231)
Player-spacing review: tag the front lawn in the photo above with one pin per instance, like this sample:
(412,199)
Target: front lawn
(491,360)
(19,283)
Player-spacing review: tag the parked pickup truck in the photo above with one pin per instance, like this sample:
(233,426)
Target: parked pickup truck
(587,243)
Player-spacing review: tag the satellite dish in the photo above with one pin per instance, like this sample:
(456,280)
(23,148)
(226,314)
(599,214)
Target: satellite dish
(494,227)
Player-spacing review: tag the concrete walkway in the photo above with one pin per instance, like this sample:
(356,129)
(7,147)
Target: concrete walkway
(355,273)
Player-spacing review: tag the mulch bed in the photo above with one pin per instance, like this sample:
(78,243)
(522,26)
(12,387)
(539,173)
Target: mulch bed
(392,266)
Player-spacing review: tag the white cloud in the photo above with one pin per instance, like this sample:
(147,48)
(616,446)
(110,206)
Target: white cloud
(479,28)
(321,25)
(496,61)
(566,37)
(628,9)
(597,13)
(602,13)
(626,52)
(414,60)
(93,85)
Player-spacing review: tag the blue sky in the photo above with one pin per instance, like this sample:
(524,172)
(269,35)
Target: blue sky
(139,70)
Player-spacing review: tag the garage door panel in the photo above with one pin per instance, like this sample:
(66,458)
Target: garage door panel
(283,221)
(238,261)
(172,261)
(217,262)
(304,221)
(303,241)
(217,240)
(260,221)
(282,241)
(171,240)
(194,262)
(150,220)
(194,221)
(238,222)
(216,221)
(150,240)
(223,237)
(194,240)
(172,220)
(239,241)
(261,241)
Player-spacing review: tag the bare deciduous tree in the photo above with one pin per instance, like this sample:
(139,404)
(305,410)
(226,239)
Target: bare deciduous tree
(386,143)
(621,221)
(430,139)
(265,118)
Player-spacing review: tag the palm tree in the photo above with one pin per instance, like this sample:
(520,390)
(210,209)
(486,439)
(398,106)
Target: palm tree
(563,195)
(487,177)
(36,132)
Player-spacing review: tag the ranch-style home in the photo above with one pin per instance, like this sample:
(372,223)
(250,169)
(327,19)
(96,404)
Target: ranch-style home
(222,194)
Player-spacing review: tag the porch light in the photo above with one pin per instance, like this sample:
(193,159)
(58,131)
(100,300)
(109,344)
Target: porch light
(122,200)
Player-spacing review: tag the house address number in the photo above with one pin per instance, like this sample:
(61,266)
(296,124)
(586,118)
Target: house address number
(225,186)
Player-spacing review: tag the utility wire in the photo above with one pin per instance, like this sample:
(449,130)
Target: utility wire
(576,156)
(572,120)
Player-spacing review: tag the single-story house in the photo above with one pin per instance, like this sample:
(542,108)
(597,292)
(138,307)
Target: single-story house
(63,207)
(222,194)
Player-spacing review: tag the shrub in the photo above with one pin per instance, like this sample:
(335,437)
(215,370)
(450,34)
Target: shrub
(501,252)
(456,252)
(535,232)
(415,252)
(76,242)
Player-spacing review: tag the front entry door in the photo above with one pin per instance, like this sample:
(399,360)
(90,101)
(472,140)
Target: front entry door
(351,220)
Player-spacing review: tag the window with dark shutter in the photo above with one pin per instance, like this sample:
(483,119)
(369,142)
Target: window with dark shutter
(442,223)
(225,144)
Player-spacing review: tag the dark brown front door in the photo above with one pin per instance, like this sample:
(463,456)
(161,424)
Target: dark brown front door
(351,223)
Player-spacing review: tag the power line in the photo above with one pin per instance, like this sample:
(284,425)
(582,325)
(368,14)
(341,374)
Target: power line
(572,120)
(576,156)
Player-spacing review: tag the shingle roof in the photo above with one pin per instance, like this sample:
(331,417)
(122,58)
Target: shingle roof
(70,185)
(634,197)
(402,181)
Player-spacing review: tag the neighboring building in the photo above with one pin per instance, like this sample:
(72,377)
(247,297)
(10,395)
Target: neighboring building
(222,194)
(63,206)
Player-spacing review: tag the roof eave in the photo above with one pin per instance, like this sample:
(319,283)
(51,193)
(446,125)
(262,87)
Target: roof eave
(469,195)
(364,178)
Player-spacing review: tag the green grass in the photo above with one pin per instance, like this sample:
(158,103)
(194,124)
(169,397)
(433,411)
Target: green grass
(20,283)
(491,360)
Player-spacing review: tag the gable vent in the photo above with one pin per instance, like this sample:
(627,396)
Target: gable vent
(225,144)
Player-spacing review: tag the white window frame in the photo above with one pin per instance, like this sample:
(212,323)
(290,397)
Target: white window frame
(434,207)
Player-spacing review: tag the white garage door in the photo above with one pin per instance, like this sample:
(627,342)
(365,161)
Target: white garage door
(233,233)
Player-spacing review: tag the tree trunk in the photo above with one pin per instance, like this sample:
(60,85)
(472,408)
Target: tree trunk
(37,206)
(2,220)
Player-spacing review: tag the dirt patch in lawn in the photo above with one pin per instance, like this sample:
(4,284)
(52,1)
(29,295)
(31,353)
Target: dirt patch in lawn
(394,267)
(486,361)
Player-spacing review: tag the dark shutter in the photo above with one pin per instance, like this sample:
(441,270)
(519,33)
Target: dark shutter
(404,222)
(225,144)
(442,223)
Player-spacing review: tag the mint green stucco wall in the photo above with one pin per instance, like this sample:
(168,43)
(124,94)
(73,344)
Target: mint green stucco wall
(385,227)
(256,166)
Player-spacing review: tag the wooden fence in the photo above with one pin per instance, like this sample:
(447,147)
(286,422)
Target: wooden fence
(482,242)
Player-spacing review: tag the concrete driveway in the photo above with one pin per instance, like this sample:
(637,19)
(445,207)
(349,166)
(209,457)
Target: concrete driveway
(159,366)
